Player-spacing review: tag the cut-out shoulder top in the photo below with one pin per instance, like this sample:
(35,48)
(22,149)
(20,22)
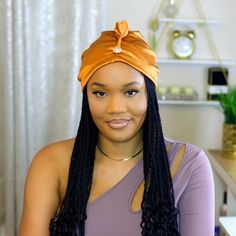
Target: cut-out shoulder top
(111,213)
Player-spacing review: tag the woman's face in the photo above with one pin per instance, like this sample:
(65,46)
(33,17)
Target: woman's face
(118,101)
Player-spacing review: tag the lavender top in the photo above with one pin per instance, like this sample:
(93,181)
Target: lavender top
(111,214)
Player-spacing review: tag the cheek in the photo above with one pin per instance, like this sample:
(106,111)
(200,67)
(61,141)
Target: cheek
(140,108)
(92,107)
(140,111)
(96,109)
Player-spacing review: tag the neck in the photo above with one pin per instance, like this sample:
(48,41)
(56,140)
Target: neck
(120,159)
(120,150)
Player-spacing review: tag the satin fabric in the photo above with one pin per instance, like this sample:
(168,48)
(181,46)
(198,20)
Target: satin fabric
(120,45)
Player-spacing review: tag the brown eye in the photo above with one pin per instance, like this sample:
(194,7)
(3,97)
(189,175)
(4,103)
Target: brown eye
(131,93)
(99,94)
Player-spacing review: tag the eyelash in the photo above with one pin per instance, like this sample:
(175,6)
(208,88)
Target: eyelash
(133,91)
(98,94)
(102,94)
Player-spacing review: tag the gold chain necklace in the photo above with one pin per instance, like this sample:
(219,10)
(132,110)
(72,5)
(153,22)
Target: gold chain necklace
(123,159)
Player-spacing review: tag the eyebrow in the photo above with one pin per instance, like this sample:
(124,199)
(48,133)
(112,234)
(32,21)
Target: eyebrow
(125,85)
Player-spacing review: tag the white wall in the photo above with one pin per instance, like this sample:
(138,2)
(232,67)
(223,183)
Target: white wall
(200,125)
(139,12)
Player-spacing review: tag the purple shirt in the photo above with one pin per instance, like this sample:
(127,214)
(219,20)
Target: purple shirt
(111,214)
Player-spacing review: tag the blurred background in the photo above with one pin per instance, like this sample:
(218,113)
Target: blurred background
(40,98)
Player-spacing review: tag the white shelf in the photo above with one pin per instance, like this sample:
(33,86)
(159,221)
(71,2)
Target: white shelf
(196,61)
(228,224)
(188,21)
(198,102)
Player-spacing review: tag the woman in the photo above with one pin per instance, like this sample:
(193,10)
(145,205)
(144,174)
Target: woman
(119,176)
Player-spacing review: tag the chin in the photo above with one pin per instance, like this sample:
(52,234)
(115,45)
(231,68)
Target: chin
(121,135)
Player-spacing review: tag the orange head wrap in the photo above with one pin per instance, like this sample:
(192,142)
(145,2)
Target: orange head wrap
(120,45)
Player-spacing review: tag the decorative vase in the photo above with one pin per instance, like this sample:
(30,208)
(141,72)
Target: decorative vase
(229,141)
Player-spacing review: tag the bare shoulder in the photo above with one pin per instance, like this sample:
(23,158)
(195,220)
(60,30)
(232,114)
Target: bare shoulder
(52,160)
(42,188)
(55,152)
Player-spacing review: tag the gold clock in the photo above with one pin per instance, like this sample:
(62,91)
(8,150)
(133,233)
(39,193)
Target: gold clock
(182,44)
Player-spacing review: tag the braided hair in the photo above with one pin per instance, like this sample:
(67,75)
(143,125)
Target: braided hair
(159,215)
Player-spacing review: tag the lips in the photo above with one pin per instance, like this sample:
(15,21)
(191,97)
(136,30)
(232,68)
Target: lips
(118,123)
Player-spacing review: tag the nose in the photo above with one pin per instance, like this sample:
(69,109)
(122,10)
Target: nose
(116,105)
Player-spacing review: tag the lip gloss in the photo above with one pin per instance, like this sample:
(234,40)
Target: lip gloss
(118,124)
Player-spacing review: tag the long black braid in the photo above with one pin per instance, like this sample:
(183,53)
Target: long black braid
(159,216)
(72,214)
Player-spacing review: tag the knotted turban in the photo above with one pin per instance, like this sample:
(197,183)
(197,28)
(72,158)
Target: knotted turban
(120,45)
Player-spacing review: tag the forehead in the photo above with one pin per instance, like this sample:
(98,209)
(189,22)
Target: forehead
(116,73)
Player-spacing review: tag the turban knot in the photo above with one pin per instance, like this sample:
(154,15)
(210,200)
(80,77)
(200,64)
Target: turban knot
(120,45)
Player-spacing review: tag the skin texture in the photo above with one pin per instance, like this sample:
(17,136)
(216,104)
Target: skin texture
(118,102)
(45,187)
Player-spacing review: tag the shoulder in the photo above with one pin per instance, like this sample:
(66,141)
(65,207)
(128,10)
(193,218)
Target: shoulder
(191,152)
(192,183)
(54,153)
(51,163)
(190,159)
(191,171)
(42,187)
(56,150)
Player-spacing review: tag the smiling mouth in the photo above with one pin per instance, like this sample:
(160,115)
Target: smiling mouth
(118,124)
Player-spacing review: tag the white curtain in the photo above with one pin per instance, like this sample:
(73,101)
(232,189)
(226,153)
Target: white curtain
(41,42)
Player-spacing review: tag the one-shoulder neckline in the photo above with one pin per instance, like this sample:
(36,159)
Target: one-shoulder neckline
(100,197)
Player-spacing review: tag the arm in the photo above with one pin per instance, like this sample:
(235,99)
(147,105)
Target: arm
(41,198)
(197,203)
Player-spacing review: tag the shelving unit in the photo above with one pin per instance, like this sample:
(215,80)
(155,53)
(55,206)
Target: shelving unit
(228,223)
(196,62)
(187,21)
(199,61)
(202,63)
(190,103)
